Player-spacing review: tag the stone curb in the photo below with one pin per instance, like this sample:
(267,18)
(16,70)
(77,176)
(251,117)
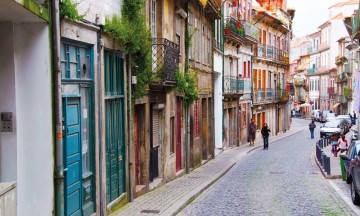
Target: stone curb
(326,176)
(184,201)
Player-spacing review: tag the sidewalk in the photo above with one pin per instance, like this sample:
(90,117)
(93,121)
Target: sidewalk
(170,198)
(335,169)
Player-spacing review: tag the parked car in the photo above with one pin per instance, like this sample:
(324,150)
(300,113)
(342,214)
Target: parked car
(329,117)
(352,152)
(347,118)
(354,178)
(335,126)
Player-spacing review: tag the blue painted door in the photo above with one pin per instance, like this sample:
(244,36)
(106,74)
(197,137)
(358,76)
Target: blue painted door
(72,156)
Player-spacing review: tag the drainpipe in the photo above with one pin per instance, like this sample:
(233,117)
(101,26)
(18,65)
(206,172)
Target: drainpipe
(223,62)
(187,109)
(99,113)
(59,169)
(130,122)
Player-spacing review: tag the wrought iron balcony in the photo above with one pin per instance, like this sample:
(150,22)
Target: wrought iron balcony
(269,94)
(165,59)
(258,95)
(234,31)
(332,90)
(271,53)
(311,71)
(342,99)
(347,69)
(355,21)
(312,49)
(236,85)
(251,32)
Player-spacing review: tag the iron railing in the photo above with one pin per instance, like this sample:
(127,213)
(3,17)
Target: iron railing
(355,21)
(311,71)
(269,94)
(272,53)
(236,85)
(165,56)
(234,28)
(251,30)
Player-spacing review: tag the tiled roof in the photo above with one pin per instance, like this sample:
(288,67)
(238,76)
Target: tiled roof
(339,16)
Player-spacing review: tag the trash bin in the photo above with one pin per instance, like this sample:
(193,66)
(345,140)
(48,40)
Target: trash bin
(342,165)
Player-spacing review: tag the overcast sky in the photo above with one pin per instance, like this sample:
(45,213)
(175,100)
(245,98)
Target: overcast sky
(310,14)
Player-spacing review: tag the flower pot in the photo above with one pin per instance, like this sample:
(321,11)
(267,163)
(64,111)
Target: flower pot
(227,31)
(234,3)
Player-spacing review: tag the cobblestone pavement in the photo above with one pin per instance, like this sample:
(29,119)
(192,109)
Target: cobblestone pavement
(171,197)
(283,180)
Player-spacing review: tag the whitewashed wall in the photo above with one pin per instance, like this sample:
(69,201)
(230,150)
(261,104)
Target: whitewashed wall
(218,110)
(34,119)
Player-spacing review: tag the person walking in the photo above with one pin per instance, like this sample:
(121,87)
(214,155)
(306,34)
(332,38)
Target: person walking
(354,116)
(252,132)
(265,133)
(312,127)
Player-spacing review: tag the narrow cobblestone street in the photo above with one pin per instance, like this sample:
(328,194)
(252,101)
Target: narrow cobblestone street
(283,180)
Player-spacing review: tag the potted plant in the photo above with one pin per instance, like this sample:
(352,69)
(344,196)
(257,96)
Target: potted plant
(227,28)
(234,3)
(347,93)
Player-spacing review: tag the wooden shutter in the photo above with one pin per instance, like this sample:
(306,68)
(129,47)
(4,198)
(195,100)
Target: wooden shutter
(155,128)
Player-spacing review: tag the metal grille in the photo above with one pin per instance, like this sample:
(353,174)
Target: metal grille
(165,55)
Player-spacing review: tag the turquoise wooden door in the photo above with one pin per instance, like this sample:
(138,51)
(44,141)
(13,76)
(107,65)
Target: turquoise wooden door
(72,156)
(114,125)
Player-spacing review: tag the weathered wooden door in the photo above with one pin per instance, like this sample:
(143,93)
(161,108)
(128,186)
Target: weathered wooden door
(178,133)
(72,156)
(114,125)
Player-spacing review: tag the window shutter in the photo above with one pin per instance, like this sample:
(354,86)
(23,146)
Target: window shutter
(155,128)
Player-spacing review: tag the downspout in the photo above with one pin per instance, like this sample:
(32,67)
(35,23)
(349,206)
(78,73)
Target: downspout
(59,169)
(99,48)
(187,109)
(223,63)
(130,125)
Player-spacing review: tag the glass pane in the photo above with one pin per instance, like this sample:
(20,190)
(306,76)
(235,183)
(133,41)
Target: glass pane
(85,126)
(84,63)
(73,70)
(63,61)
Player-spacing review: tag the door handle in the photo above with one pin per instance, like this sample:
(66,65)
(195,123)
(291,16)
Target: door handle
(120,158)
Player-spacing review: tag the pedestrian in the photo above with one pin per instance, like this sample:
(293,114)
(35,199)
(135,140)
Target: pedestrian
(252,132)
(342,145)
(354,117)
(312,127)
(265,133)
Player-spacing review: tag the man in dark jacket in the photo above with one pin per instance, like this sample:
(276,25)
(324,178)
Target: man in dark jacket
(312,127)
(265,133)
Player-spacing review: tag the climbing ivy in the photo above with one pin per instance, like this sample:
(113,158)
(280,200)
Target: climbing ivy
(133,35)
(187,86)
(68,10)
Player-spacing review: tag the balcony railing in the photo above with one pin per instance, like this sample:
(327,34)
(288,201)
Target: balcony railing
(311,71)
(234,30)
(236,85)
(312,49)
(355,21)
(251,31)
(271,53)
(165,59)
(269,94)
(332,90)
(342,99)
(347,68)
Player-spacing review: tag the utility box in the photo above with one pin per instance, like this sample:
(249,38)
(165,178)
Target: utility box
(6,122)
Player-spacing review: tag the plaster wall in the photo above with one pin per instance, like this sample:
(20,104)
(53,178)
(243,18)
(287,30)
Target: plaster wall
(34,119)
(8,140)
(218,102)
(338,31)
(104,8)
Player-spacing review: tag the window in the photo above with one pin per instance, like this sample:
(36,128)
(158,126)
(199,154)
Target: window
(209,45)
(153,18)
(244,69)
(249,68)
(196,119)
(244,117)
(191,31)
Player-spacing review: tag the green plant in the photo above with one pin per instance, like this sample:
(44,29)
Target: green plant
(187,86)
(347,92)
(133,35)
(68,10)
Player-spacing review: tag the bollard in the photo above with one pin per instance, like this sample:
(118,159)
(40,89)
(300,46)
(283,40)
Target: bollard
(322,159)
(327,165)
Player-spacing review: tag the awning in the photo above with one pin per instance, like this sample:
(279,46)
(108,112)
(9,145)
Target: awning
(304,105)
(337,104)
